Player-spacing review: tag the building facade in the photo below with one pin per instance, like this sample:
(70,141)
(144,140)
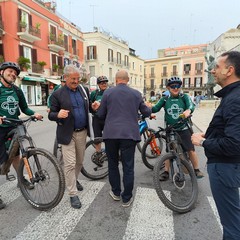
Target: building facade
(187,62)
(41,42)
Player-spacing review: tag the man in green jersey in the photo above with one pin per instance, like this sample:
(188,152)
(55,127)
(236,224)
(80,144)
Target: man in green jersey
(175,104)
(12,100)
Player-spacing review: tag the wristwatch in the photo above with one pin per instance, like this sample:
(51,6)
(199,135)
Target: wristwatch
(201,142)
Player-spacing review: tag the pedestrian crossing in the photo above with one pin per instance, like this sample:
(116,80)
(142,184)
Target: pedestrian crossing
(148,217)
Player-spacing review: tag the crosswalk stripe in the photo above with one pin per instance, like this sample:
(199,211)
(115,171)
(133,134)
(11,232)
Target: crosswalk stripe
(9,191)
(214,208)
(149,218)
(61,221)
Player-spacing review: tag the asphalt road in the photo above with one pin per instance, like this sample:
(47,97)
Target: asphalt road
(100,217)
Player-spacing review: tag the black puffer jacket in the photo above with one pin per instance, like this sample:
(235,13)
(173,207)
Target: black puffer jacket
(222,144)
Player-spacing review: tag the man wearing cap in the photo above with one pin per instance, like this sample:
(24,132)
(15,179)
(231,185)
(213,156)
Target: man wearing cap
(98,124)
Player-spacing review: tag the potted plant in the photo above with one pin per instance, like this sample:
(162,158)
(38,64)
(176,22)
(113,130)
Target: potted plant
(52,37)
(41,64)
(37,27)
(24,63)
(55,68)
(23,25)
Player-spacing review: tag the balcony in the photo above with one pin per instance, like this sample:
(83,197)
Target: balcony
(152,75)
(57,72)
(29,33)
(164,74)
(175,73)
(186,72)
(36,68)
(2,32)
(199,72)
(56,44)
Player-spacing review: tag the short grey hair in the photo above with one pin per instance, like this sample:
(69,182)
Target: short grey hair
(71,69)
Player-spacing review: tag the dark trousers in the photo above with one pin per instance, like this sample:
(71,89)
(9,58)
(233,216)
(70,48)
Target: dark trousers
(225,182)
(126,148)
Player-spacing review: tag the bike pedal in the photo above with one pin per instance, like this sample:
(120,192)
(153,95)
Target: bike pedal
(10,177)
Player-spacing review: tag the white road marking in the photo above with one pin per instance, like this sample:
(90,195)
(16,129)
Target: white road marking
(61,221)
(9,191)
(149,218)
(214,208)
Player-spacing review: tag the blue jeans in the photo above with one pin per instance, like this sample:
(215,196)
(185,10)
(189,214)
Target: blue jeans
(225,183)
(126,148)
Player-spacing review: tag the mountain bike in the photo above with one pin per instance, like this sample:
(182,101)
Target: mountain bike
(180,192)
(96,167)
(37,166)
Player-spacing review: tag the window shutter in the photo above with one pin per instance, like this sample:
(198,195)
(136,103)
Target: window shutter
(20,50)
(60,62)
(30,20)
(95,52)
(34,56)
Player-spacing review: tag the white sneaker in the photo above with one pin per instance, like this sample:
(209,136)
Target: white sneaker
(114,197)
(127,204)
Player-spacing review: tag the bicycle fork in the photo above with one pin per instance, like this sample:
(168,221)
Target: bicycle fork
(154,146)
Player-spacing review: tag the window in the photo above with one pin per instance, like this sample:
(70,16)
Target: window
(74,47)
(126,60)
(186,82)
(152,83)
(91,52)
(198,82)
(199,67)
(66,42)
(164,71)
(174,67)
(119,58)
(187,68)
(110,55)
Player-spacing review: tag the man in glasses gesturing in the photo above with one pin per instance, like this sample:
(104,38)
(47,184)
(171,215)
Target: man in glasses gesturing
(175,104)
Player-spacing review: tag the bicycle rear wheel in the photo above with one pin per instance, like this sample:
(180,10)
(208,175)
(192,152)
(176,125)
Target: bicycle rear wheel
(90,169)
(176,193)
(48,180)
(149,155)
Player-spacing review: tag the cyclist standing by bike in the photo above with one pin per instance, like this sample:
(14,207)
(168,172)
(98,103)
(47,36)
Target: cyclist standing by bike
(98,124)
(12,100)
(174,105)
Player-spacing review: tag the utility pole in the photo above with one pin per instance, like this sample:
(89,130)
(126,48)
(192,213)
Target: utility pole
(93,6)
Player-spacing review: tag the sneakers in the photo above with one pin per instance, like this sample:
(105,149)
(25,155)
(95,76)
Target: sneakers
(114,197)
(2,204)
(27,184)
(127,204)
(75,202)
(198,173)
(79,186)
(164,176)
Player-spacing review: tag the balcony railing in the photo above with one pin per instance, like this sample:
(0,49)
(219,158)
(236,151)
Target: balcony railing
(29,33)
(55,44)
(199,72)
(164,74)
(152,75)
(36,68)
(174,73)
(186,72)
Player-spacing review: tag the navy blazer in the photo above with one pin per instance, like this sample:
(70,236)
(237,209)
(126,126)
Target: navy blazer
(60,99)
(120,106)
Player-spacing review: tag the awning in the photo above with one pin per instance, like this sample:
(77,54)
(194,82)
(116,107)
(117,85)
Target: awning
(35,79)
(54,81)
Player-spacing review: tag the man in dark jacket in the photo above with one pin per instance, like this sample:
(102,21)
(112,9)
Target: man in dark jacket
(222,144)
(120,106)
(69,108)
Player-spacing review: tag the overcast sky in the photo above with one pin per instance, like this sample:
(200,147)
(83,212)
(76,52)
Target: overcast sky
(154,24)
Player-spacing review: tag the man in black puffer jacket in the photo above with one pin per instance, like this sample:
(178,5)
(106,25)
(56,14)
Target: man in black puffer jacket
(222,144)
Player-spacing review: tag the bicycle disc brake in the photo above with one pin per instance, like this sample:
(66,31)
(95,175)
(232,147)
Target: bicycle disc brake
(178,181)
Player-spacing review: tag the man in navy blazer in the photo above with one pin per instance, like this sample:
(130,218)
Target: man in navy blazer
(119,106)
(70,108)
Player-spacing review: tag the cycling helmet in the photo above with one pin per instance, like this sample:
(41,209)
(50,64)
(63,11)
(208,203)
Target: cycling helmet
(102,79)
(10,65)
(174,80)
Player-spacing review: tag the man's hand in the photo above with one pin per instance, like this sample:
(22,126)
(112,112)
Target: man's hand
(63,113)
(197,138)
(1,120)
(187,113)
(95,105)
(38,116)
(148,104)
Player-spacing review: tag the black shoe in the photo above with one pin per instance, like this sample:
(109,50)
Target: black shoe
(2,204)
(75,202)
(164,176)
(27,184)
(79,186)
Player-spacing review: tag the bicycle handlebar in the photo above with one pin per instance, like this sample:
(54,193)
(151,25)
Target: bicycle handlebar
(19,121)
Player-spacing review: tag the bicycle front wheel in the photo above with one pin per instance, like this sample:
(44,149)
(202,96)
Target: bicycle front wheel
(57,152)
(149,154)
(180,192)
(48,180)
(95,166)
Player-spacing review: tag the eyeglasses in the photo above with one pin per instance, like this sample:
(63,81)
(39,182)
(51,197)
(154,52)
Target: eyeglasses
(175,86)
(101,83)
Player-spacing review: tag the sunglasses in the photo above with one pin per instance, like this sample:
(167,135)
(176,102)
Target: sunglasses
(175,86)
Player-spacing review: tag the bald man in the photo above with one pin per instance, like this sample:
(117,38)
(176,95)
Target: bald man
(119,107)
